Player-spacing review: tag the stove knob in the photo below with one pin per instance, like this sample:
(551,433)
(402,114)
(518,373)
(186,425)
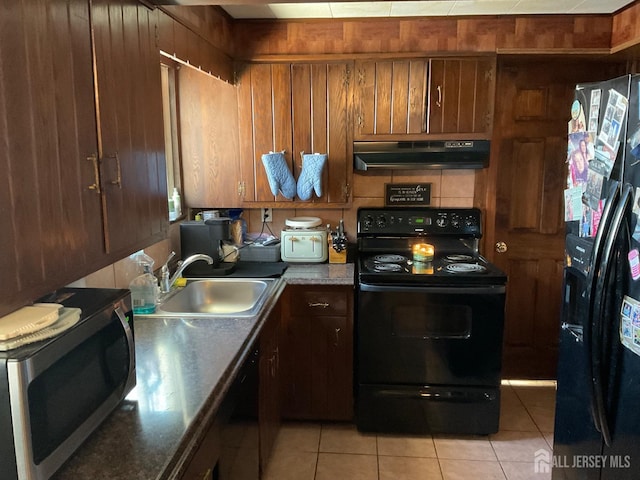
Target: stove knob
(368,221)
(470,222)
(381,221)
(442,221)
(455,221)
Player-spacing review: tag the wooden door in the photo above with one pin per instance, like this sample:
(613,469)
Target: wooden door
(390,97)
(50,221)
(528,161)
(461,95)
(131,137)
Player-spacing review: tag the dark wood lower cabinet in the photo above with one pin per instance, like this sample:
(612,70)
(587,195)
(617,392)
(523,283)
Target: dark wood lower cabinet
(269,390)
(238,444)
(317,353)
(229,448)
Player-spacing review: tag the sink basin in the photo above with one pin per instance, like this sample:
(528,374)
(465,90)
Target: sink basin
(217,298)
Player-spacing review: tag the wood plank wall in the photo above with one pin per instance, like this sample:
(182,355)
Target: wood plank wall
(255,39)
(626,28)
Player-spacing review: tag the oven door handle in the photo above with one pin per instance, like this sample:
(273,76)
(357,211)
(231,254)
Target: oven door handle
(461,290)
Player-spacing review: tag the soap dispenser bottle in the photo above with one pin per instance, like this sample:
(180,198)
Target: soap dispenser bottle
(177,203)
(144,288)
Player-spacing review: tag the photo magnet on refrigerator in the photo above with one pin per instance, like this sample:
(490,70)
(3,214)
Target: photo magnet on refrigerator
(634,264)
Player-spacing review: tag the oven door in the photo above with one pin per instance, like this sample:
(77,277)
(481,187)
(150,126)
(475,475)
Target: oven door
(430,335)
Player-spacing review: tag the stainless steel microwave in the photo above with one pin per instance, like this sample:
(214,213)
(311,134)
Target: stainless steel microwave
(55,392)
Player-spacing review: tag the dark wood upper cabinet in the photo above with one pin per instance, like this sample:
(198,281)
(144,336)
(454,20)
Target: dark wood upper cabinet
(208,139)
(295,108)
(390,97)
(419,98)
(130,129)
(461,95)
(61,215)
(264,111)
(50,222)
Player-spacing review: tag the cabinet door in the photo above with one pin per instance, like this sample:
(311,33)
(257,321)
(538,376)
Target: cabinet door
(50,220)
(320,105)
(269,410)
(461,94)
(390,97)
(208,139)
(131,141)
(295,108)
(317,351)
(264,102)
(332,368)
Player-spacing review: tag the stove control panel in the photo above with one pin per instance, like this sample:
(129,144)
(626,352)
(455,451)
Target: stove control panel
(464,222)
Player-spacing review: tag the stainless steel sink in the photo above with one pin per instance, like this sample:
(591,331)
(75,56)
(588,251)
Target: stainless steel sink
(219,297)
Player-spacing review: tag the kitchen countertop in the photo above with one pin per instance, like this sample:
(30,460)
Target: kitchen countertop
(184,367)
(319,274)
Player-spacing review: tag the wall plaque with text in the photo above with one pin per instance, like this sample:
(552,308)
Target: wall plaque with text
(402,194)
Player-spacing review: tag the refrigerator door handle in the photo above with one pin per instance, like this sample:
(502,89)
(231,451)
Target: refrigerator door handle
(598,322)
(592,275)
(573,329)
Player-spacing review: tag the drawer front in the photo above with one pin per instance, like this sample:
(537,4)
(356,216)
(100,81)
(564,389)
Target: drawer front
(326,301)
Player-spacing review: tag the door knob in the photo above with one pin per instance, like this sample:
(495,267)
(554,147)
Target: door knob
(501,247)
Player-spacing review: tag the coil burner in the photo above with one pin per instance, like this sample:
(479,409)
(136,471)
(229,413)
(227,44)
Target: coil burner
(457,258)
(387,263)
(465,268)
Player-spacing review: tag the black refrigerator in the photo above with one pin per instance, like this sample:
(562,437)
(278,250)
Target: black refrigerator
(597,422)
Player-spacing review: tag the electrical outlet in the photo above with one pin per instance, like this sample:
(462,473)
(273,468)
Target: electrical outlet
(267,215)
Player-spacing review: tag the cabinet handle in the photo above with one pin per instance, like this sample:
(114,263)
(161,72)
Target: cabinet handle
(96,173)
(439,101)
(337,337)
(118,180)
(207,475)
(318,304)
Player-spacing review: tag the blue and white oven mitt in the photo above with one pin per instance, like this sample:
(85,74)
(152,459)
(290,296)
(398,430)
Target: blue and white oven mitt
(310,178)
(278,173)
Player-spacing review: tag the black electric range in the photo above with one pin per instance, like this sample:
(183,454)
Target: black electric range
(428,328)
(387,236)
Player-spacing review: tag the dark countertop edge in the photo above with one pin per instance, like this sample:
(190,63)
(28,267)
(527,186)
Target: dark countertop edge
(195,434)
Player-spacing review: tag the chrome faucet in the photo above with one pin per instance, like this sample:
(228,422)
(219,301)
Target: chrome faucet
(167,283)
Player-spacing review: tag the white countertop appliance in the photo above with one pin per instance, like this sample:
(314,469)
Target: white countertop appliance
(304,240)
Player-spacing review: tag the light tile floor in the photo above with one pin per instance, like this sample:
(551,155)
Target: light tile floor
(326,451)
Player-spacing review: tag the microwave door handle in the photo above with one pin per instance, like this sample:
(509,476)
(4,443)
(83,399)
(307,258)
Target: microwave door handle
(129,334)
